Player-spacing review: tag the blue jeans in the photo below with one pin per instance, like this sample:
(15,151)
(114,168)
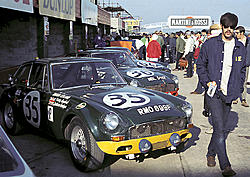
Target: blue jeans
(189,57)
(219,114)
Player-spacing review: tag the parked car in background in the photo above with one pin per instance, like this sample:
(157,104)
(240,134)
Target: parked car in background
(134,75)
(143,63)
(11,162)
(86,103)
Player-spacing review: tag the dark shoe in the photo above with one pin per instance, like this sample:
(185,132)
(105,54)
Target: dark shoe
(194,92)
(228,171)
(187,77)
(211,161)
(244,103)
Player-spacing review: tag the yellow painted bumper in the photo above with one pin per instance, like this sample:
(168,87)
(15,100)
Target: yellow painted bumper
(132,146)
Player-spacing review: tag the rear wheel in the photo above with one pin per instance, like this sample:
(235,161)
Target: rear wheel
(85,153)
(10,122)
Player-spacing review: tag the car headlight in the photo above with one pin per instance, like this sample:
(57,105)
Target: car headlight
(134,83)
(188,109)
(110,121)
(175,79)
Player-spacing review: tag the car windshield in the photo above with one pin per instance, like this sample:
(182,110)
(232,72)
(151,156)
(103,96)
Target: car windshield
(119,59)
(77,74)
(129,53)
(7,160)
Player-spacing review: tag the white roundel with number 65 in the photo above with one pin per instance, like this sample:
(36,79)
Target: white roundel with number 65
(124,100)
(31,108)
(140,73)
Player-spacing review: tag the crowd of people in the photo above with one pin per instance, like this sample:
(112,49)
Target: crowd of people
(164,47)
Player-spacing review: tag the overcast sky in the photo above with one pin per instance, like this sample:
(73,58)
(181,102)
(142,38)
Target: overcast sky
(158,10)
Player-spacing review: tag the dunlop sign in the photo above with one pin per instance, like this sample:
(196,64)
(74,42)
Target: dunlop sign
(64,9)
(189,21)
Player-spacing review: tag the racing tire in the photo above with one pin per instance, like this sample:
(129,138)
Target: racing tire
(9,119)
(84,152)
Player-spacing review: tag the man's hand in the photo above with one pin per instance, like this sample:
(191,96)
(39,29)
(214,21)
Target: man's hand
(209,83)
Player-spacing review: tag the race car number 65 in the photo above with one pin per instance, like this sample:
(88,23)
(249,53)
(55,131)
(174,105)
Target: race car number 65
(125,100)
(139,73)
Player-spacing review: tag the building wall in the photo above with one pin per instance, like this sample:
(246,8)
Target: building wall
(22,36)
(18,34)
(58,40)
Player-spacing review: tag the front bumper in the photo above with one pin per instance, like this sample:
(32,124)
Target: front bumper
(132,146)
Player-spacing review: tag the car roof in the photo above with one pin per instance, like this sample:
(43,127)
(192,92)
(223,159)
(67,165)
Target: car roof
(103,51)
(115,48)
(67,59)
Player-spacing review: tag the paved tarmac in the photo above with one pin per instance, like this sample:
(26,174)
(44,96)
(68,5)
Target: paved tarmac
(48,158)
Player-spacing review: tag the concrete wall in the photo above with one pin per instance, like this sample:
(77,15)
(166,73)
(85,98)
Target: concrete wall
(18,38)
(58,39)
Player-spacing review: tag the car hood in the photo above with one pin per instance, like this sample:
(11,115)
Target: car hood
(152,65)
(144,76)
(135,104)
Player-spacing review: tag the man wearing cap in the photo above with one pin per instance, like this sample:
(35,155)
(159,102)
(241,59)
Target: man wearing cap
(221,67)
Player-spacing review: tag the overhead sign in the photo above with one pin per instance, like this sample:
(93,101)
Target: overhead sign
(64,9)
(89,12)
(132,22)
(20,5)
(189,21)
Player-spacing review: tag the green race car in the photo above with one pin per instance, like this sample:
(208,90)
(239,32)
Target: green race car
(86,103)
(134,75)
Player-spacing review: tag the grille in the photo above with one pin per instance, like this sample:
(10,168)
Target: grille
(162,87)
(157,128)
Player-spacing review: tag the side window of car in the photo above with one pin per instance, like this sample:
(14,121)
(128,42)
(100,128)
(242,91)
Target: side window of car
(22,75)
(38,76)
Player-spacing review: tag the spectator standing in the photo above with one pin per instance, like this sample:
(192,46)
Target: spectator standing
(204,35)
(160,39)
(154,49)
(197,45)
(139,47)
(180,47)
(167,45)
(145,42)
(222,60)
(99,41)
(163,47)
(240,35)
(172,47)
(188,54)
(118,37)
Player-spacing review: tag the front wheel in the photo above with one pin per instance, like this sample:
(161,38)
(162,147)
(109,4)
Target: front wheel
(9,118)
(85,153)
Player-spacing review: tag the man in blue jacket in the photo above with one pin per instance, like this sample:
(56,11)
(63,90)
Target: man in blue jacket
(222,62)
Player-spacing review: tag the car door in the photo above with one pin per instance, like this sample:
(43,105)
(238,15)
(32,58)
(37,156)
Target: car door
(37,96)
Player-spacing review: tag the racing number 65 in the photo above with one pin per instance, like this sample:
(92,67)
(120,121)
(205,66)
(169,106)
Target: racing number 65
(31,108)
